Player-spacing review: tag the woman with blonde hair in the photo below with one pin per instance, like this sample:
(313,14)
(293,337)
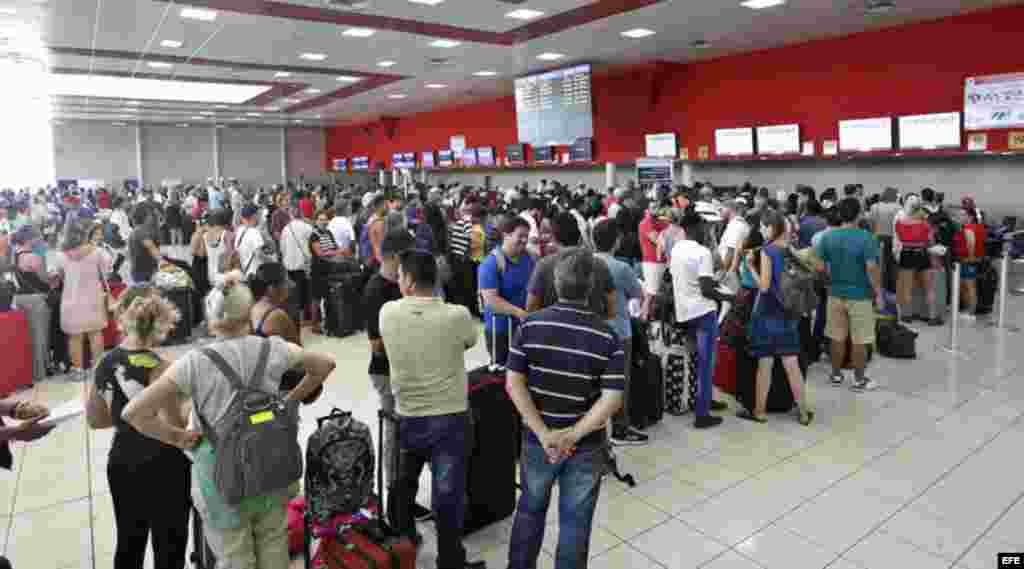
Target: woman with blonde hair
(915,236)
(251,533)
(121,376)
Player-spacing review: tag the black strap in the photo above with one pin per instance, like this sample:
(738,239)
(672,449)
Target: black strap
(234,379)
(259,326)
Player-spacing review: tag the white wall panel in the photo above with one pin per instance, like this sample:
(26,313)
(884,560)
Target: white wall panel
(93,150)
(176,153)
(252,154)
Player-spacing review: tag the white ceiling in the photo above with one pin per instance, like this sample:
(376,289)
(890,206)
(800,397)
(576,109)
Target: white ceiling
(138,26)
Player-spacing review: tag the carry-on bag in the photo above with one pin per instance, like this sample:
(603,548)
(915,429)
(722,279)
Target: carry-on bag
(16,371)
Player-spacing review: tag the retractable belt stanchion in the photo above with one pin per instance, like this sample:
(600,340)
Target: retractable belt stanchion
(1004,282)
(954,330)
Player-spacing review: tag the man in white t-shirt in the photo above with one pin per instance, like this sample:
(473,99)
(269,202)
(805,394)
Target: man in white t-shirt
(342,230)
(696,293)
(736,232)
(297,258)
(532,212)
(249,241)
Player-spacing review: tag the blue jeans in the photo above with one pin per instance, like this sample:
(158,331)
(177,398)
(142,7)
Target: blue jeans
(444,441)
(703,332)
(579,484)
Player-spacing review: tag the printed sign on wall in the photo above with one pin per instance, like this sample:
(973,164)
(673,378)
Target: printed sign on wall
(1016,141)
(704,152)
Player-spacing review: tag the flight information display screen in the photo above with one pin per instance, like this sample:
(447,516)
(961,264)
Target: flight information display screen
(554,108)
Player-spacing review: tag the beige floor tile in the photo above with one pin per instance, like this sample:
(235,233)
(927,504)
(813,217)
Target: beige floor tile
(983,554)
(601,540)
(709,475)
(884,550)
(731,560)
(777,548)
(623,556)
(627,517)
(9,479)
(836,520)
(48,477)
(670,494)
(56,536)
(5,525)
(677,545)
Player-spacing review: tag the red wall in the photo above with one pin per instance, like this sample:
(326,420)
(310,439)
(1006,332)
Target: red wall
(913,69)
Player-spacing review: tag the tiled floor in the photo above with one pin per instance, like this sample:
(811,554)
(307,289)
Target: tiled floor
(922,473)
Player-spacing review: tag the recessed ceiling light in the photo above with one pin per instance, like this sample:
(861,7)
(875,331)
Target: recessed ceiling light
(385,63)
(183,125)
(486,73)
(239,118)
(292,101)
(125,117)
(116,124)
(173,44)
(159,64)
(220,126)
(313,56)
(349,78)
(8,11)
(271,109)
(396,96)
(254,114)
(427,2)
(760,4)
(548,56)
(198,14)
(134,103)
(282,74)
(359,32)
(524,14)
(297,121)
(445,43)
(130,110)
(206,113)
(197,118)
(221,106)
(153,89)
(637,33)
(435,86)
(312,91)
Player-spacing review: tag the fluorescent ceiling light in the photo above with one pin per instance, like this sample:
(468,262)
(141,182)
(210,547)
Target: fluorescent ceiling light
(435,86)
(130,110)
(198,118)
(349,78)
(760,4)
(524,14)
(254,114)
(271,109)
(385,63)
(297,121)
(198,14)
(220,126)
(282,74)
(359,32)
(134,103)
(173,44)
(120,124)
(638,33)
(486,73)
(183,125)
(312,91)
(8,11)
(292,101)
(550,56)
(159,64)
(152,89)
(427,2)
(445,43)
(396,96)
(313,56)
(221,107)
(206,113)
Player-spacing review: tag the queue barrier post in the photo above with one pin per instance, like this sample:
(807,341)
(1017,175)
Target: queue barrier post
(954,329)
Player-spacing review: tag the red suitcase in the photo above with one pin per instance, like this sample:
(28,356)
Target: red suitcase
(111,334)
(16,371)
(354,549)
(725,368)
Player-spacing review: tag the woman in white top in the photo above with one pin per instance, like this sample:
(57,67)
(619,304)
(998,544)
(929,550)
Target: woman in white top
(252,534)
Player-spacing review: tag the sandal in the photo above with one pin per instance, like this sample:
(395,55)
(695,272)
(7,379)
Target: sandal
(746,414)
(805,418)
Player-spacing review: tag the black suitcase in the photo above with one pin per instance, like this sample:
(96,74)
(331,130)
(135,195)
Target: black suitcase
(988,283)
(647,382)
(491,476)
(182,300)
(342,305)
(780,396)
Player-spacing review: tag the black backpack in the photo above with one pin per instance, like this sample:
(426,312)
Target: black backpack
(896,340)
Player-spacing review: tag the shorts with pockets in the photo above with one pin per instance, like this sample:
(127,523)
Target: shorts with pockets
(850,319)
(968,272)
(915,260)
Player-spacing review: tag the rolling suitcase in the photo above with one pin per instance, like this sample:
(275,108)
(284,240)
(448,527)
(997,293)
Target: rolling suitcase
(16,371)
(182,300)
(343,302)
(988,283)
(725,368)
(647,383)
(351,543)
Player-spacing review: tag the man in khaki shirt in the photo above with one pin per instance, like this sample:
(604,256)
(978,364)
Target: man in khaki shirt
(426,340)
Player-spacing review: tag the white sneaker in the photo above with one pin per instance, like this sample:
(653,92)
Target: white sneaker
(866,384)
(968,316)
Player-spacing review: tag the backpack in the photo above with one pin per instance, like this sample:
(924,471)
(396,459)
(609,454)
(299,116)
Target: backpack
(112,236)
(945,228)
(896,340)
(798,293)
(29,282)
(339,466)
(255,443)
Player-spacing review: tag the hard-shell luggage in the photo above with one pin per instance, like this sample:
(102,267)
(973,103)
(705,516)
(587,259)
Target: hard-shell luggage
(725,368)
(988,283)
(780,396)
(343,302)
(182,300)
(16,371)
(647,382)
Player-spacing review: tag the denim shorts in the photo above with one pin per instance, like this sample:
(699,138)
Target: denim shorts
(968,272)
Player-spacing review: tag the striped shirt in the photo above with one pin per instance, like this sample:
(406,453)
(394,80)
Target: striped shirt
(568,356)
(325,239)
(458,235)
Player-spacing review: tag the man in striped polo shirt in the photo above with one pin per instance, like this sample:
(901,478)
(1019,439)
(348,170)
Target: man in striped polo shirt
(565,376)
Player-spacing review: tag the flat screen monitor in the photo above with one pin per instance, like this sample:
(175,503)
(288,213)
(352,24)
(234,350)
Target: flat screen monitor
(361,163)
(396,160)
(661,145)
(582,150)
(865,135)
(445,158)
(994,101)
(554,107)
(941,130)
(427,159)
(340,164)
(485,156)
(516,153)
(778,139)
(469,157)
(654,171)
(409,158)
(543,154)
(734,142)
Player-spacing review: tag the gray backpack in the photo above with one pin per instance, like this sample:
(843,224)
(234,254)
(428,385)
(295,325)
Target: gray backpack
(256,442)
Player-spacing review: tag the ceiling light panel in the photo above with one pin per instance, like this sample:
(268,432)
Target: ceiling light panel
(549,56)
(282,74)
(427,2)
(386,63)
(445,43)
(486,73)
(435,86)
(152,89)
(159,64)
(359,32)
(311,56)
(761,4)
(524,14)
(312,91)
(396,96)
(198,14)
(349,79)
(7,11)
(173,44)
(638,33)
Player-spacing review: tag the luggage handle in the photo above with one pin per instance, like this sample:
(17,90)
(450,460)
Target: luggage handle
(493,367)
